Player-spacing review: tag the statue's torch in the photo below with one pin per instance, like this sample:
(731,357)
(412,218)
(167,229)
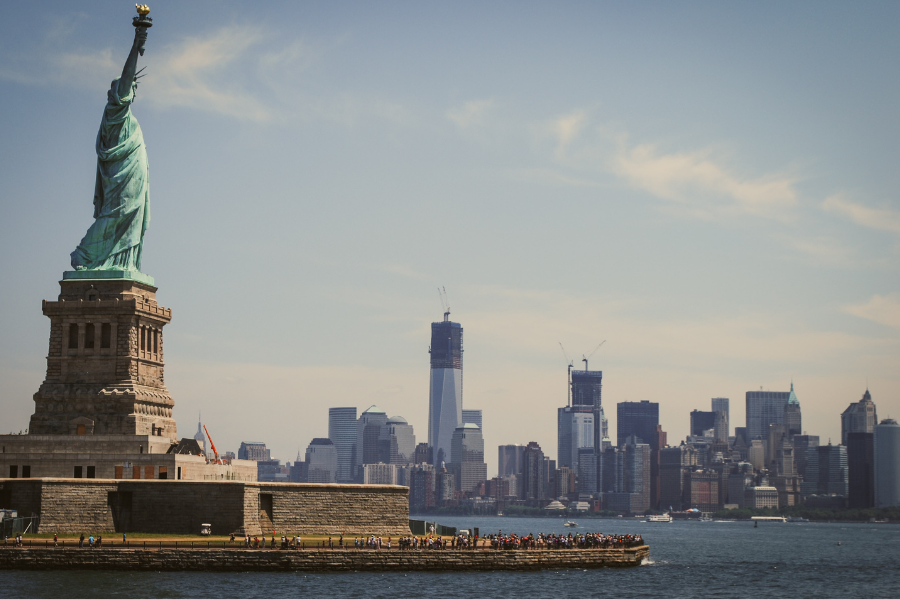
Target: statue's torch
(142,22)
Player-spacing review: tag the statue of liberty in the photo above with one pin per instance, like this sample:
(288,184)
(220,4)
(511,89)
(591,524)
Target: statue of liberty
(122,191)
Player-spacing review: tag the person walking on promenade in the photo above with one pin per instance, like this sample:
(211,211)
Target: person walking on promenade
(263,544)
(124,539)
(55,540)
(99,541)
(81,541)
(91,541)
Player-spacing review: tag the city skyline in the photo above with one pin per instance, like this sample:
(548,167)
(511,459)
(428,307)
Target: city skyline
(703,187)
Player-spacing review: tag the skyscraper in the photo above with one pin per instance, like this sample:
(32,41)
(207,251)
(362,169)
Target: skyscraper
(587,391)
(471,415)
(832,470)
(509,460)
(802,444)
(861,469)
(792,419)
(575,431)
(342,432)
(721,404)
(321,461)
(368,430)
(396,442)
(887,463)
(763,409)
(445,392)
(637,418)
(534,473)
(702,420)
(467,449)
(637,473)
(860,416)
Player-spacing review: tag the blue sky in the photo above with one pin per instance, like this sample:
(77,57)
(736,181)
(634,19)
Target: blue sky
(710,187)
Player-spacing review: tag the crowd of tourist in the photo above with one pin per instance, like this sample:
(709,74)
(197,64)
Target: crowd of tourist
(493,541)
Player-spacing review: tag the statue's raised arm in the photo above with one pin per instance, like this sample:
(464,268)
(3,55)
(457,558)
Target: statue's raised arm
(114,242)
(130,68)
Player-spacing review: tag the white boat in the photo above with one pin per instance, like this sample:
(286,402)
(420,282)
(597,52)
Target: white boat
(666,518)
(704,520)
(570,524)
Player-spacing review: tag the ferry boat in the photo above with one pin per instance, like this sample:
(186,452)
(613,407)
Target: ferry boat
(666,518)
(570,524)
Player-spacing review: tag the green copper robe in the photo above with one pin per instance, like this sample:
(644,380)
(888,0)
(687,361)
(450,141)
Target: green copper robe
(121,194)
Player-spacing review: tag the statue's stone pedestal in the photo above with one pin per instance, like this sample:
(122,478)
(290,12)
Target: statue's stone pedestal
(105,362)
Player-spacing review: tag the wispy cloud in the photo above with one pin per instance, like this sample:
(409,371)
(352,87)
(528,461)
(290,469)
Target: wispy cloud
(880,309)
(701,182)
(470,114)
(566,128)
(191,74)
(883,219)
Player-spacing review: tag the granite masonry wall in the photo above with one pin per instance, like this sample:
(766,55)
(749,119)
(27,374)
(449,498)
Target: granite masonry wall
(167,506)
(347,560)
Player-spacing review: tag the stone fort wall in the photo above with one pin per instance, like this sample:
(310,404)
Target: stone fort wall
(165,506)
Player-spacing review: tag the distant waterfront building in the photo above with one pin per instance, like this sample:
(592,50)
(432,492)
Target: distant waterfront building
(764,408)
(636,418)
(379,474)
(832,477)
(887,463)
(793,423)
(421,487)
(761,497)
(802,444)
(756,455)
(471,415)
(701,490)
(859,416)
(534,473)
(199,437)
(721,405)
(673,463)
(368,430)
(445,390)
(702,421)
(861,469)
(510,459)
(254,451)
(587,471)
(396,442)
(575,431)
(609,477)
(587,392)
(467,447)
(423,454)
(321,461)
(342,432)
(636,469)
(272,470)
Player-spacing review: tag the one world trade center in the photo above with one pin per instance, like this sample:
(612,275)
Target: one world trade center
(445,392)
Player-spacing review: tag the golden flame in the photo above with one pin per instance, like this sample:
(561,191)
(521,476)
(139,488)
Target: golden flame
(142,9)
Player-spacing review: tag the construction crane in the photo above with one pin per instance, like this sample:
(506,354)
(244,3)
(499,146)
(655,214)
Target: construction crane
(213,446)
(569,376)
(584,358)
(442,294)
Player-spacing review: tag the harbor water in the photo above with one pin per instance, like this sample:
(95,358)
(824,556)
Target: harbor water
(688,560)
